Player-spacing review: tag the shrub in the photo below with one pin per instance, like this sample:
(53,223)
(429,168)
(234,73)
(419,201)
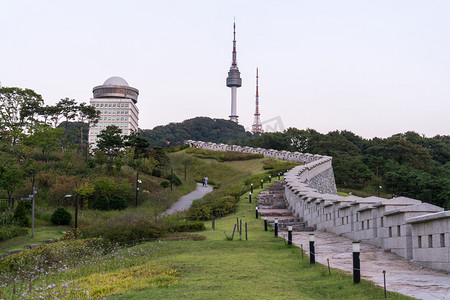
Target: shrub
(165,184)
(101,203)
(188,226)
(175,179)
(118,202)
(156,172)
(61,217)
(10,232)
(125,227)
(21,217)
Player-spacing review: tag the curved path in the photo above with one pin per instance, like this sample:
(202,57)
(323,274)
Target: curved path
(185,201)
(402,276)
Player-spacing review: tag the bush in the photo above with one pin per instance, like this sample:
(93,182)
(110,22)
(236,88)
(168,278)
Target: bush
(175,179)
(156,172)
(21,217)
(188,226)
(10,232)
(125,227)
(118,202)
(165,184)
(101,203)
(61,217)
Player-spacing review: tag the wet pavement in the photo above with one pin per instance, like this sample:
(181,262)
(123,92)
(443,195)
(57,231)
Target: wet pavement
(402,276)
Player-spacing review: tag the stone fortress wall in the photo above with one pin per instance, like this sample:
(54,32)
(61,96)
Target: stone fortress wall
(419,232)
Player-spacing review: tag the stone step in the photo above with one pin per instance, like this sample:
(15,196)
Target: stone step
(275,212)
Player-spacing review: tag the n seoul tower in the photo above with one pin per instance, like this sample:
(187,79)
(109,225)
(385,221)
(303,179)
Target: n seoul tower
(234,79)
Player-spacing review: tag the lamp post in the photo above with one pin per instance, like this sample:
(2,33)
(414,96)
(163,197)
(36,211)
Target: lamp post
(76,209)
(276,227)
(356,262)
(250,197)
(138,181)
(312,254)
(290,235)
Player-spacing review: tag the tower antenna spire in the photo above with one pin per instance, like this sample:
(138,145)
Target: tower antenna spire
(234,78)
(257,126)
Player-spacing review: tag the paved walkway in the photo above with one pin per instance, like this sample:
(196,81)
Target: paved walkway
(401,276)
(185,202)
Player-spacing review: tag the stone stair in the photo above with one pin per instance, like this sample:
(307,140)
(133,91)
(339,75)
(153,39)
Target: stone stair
(272,205)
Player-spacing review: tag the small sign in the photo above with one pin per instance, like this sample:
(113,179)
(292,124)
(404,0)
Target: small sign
(26,199)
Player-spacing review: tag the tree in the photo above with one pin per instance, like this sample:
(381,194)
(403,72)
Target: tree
(18,111)
(110,141)
(46,138)
(68,108)
(89,113)
(12,175)
(137,142)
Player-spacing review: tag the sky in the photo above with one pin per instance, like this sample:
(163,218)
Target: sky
(375,68)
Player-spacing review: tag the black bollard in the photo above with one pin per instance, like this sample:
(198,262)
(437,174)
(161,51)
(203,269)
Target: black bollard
(276,227)
(289,235)
(328,262)
(213,223)
(250,197)
(301,245)
(312,254)
(356,262)
(251,187)
(265,225)
(262,183)
(256,212)
(384,279)
(246,231)
(278,176)
(270,179)
(240,226)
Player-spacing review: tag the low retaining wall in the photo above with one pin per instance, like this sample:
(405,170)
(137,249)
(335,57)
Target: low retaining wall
(417,231)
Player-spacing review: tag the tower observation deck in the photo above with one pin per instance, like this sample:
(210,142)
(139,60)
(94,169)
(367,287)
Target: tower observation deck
(234,79)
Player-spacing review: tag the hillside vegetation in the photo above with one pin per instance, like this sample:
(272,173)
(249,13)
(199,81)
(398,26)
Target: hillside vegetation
(403,165)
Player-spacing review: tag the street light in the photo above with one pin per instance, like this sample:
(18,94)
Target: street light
(76,208)
(138,181)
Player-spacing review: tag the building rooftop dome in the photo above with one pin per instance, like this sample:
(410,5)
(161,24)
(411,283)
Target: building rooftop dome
(116,80)
(116,87)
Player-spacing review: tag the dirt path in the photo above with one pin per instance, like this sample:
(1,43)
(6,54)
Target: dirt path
(401,276)
(186,201)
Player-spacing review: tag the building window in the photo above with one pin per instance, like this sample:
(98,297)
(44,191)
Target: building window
(114,105)
(381,221)
(342,220)
(126,105)
(346,219)
(430,241)
(109,105)
(390,231)
(368,225)
(362,225)
(419,241)
(101,105)
(357,217)
(399,233)
(442,240)
(126,111)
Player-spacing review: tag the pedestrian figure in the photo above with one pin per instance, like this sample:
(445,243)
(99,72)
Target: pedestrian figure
(206,181)
(203,181)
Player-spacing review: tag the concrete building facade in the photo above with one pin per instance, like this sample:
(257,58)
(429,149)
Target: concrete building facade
(116,101)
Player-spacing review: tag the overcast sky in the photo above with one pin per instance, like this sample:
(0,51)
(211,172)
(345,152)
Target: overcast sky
(375,68)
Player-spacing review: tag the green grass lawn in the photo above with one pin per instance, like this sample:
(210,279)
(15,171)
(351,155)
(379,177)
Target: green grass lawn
(261,268)
(40,234)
